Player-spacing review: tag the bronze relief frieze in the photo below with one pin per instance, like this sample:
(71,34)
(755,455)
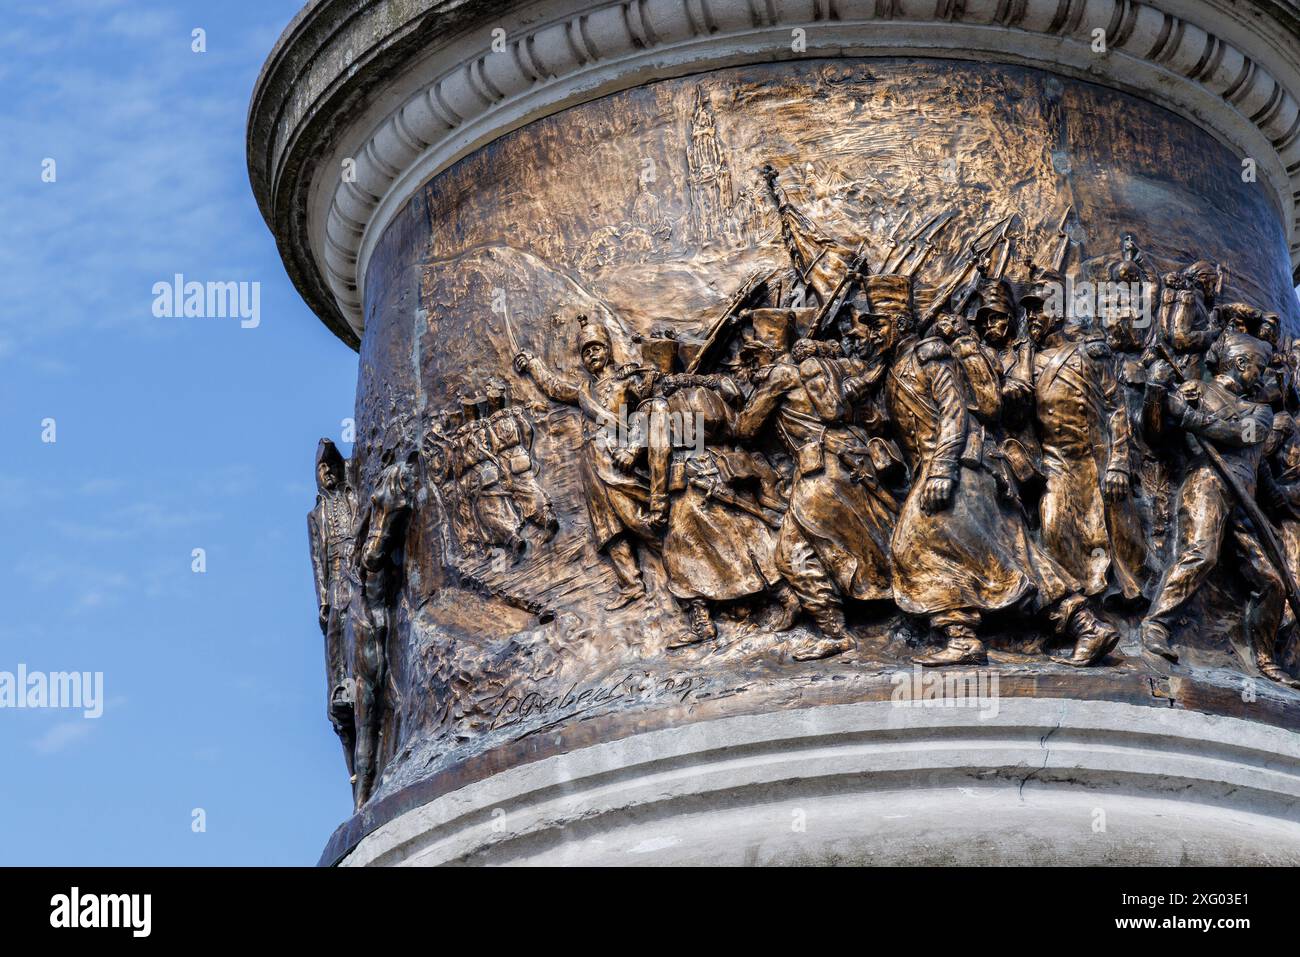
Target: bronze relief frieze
(759,388)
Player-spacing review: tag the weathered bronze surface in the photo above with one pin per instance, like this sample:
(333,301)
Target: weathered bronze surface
(745,390)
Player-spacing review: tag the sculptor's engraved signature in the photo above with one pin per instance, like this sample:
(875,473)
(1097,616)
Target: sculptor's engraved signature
(635,686)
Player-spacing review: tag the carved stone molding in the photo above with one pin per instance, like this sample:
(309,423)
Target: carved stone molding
(881,784)
(442,92)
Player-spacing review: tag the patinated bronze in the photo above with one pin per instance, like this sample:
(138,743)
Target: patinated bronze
(794,379)
(331,529)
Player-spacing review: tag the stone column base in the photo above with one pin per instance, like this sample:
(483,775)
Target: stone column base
(1021,781)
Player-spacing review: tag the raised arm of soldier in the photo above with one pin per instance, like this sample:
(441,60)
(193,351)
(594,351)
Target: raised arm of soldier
(557,388)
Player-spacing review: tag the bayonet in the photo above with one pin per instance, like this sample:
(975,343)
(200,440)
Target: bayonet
(975,257)
(893,240)
(927,245)
(1063,242)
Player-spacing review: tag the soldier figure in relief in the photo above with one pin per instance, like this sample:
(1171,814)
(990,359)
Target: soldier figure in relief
(484,481)
(1088,521)
(834,538)
(1127,321)
(509,437)
(1191,322)
(331,527)
(1225,413)
(989,358)
(961,548)
(622,506)
(380,540)
(720,542)
(1280,484)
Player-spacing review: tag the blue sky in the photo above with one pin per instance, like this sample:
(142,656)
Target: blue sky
(172,434)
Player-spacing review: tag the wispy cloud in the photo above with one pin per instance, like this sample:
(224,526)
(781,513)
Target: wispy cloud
(147,147)
(62,735)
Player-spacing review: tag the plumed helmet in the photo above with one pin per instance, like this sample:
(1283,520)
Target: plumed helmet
(590,333)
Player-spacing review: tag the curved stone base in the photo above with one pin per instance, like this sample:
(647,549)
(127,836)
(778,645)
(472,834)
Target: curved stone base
(1014,781)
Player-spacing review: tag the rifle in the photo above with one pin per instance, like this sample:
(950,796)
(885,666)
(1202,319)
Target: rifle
(722,326)
(893,240)
(712,492)
(975,257)
(1063,245)
(1267,536)
(927,246)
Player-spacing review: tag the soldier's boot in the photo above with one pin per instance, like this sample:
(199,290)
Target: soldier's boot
(631,587)
(1155,639)
(1268,666)
(1094,639)
(963,648)
(835,638)
(702,626)
(1271,670)
(626,595)
(787,609)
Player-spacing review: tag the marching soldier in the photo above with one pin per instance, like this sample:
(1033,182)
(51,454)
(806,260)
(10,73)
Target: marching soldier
(719,545)
(1126,329)
(1002,402)
(960,549)
(483,481)
(510,439)
(1280,483)
(1088,522)
(833,542)
(1191,323)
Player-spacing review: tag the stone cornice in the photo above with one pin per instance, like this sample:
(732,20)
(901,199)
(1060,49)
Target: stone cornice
(404,89)
(1111,749)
